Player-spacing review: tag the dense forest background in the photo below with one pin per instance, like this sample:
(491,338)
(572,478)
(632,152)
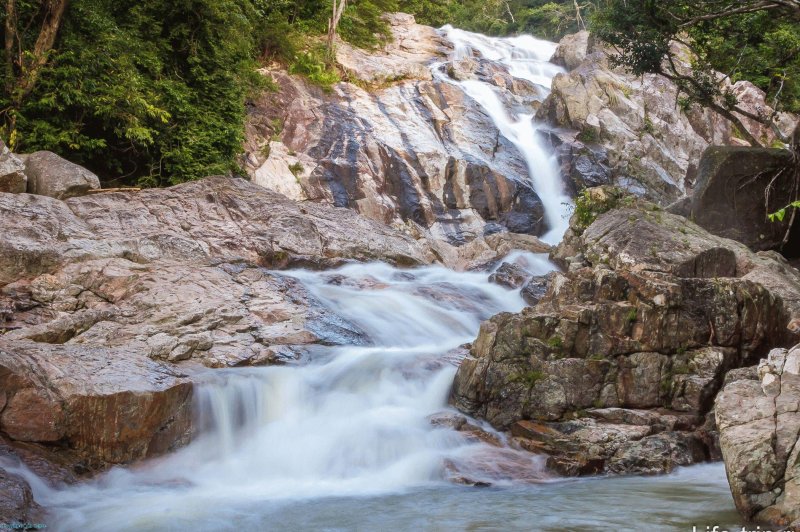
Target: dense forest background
(154,92)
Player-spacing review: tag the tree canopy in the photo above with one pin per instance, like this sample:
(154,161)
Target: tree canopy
(154,92)
(756,40)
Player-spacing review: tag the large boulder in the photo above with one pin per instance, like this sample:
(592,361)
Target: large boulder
(51,175)
(758,415)
(108,405)
(12,171)
(737,188)
(215,219)
(617,366)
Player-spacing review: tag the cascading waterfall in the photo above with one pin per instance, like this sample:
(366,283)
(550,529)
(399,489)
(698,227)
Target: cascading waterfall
(344,440)
(350,420)
(526,58)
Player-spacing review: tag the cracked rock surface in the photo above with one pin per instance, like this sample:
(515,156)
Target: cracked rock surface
(758,416)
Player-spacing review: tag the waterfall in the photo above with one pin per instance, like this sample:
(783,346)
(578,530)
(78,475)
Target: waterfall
(349,421)
(525,58)
(348,438)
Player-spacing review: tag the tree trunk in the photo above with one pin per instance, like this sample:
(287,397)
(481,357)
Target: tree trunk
(54,14)
(10,37)
(578,17)
(333,24)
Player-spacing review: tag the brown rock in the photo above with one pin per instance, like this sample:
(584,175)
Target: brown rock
(109,405)
(510,275)
(32,416)
(621,359)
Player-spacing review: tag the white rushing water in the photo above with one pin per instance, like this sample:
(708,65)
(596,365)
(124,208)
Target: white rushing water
(351,421)
(526,58)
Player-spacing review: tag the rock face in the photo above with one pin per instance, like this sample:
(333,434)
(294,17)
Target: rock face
(406,56)
(216,219)
(617,367)
(633,125)
(12,171)
(737,187)
(50,175)
(758,415)
(399,145)
(100,294)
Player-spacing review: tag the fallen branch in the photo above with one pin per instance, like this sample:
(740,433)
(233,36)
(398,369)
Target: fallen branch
(118,189)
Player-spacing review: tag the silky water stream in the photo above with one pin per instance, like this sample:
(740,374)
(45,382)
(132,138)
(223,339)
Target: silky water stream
(344,440)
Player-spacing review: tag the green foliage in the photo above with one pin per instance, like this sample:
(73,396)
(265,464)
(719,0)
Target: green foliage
(589,135)
(591,203)
(148,91)
(362,24)
(752,40)
(529,378)
(758,47)
(313,65)
(549,19)
(632,315)
(780,214)
(555,342)
(153,92)
(296,169)
(648,126)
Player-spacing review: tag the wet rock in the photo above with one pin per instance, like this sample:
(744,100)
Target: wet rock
(759,426)
(17,504)
(583,164)
(587,446)
(510,275)
(101,295)
(12,171)
(50,175)
(728,199)
(536,288)
(109,405)
(660,453)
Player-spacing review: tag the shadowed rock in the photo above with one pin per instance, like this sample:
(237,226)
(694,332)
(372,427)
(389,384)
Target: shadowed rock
(51,175)
(737,188)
